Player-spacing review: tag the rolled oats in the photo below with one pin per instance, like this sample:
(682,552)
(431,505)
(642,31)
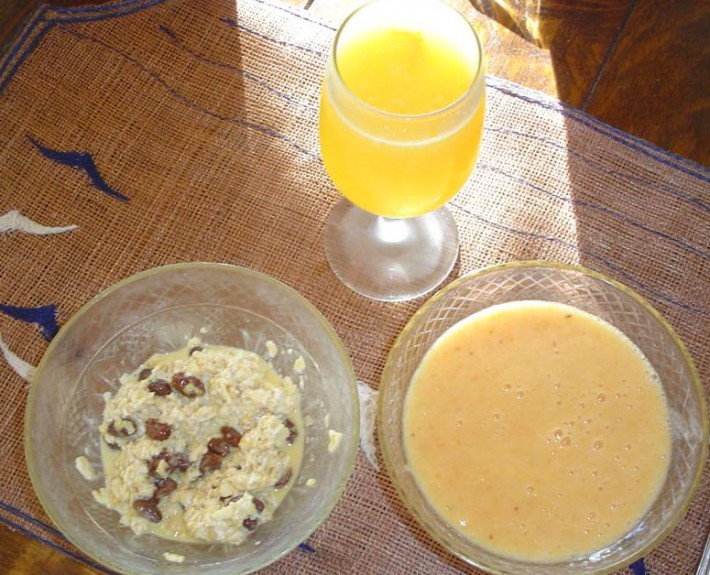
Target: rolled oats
(200,444)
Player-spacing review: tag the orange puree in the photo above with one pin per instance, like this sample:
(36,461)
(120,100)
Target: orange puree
(537,430)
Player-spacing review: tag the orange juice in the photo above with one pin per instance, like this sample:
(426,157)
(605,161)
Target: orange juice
(402,108)
(537,430)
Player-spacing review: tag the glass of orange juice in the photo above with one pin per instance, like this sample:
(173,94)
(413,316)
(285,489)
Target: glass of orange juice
(401,121)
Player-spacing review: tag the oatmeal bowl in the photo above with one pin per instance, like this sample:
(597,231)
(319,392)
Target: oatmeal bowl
(192,417)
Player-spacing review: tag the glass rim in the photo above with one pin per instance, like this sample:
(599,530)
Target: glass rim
(471,88)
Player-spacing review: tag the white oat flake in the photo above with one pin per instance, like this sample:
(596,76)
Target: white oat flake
(334,439)
(272,349)
(299,366)
(173,557)
(84,467)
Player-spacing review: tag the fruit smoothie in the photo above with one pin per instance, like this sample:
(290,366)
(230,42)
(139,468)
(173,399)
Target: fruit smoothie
(537,430)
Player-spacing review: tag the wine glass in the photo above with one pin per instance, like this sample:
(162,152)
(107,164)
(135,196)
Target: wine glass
(401,121)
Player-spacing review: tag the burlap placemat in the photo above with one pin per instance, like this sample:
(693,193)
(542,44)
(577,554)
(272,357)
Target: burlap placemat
(174,130)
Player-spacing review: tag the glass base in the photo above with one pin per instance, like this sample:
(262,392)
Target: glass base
(390,259)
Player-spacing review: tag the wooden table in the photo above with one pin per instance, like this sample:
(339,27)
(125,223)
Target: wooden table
(640,65)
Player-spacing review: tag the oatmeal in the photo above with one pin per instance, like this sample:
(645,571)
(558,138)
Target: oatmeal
(200,444)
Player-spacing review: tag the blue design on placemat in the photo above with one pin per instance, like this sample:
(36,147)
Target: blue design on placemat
(296,13)
(179,44)
(306,548)
(131,5)
(194,106)
(639,567)
(629,278)
(41,24)
(592,206)
(236,25)
(678,193)
(83,161)
(635,143)
(44,316)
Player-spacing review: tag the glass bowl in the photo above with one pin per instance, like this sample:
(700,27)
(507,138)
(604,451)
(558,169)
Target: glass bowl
(599,296)
(159,310)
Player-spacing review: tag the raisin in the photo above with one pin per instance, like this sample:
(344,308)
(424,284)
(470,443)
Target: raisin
(210,461)
(219,446)
(259,504)
(144,374)
(164,487)
(196,349)
(283,481)
(157,430)
(250,523)
(148,509)
(292,431)
(179,462)
(188,385)
(231,436)
(160,387)
(122,428)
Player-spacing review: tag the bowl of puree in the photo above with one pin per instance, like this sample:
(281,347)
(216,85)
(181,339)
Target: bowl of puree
(542,418)
(192,418)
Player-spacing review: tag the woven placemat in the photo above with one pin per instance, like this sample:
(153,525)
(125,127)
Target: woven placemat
(175,130)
